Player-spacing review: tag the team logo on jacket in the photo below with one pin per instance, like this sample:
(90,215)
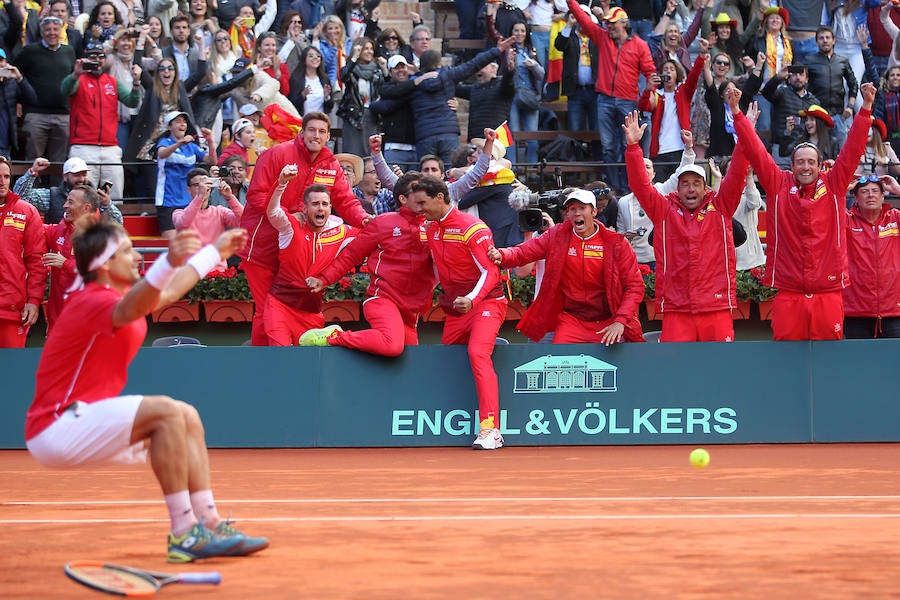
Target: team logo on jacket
(325,176)
(396,232)
(888,230)
(109,90)
(60,240)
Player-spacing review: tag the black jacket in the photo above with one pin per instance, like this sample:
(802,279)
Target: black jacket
(826,80)
(395,113)
(11,93)
(571,49)
(207,99)
(489,104)
(785,102)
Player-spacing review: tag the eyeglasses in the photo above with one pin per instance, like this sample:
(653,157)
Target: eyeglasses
(222,39)
(347,169)
(165,68)
(368,172)
(195,184)
(421,39)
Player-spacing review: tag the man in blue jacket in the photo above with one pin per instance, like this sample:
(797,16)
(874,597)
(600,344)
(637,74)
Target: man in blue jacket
(436,125)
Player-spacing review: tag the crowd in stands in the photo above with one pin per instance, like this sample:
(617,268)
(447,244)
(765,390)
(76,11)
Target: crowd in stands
(223,113)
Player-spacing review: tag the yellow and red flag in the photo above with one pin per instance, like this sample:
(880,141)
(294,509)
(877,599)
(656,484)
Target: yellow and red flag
(504,135)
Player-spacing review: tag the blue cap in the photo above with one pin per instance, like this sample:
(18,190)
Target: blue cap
(94,48)
(2,53)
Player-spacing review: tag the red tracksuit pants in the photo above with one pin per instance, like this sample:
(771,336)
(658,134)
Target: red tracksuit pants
(260,281)
(797,316)
(12,334)
(284,325)
(478,329)
(391,330)
(716,326)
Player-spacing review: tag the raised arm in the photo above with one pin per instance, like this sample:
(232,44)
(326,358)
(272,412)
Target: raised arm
(653,202)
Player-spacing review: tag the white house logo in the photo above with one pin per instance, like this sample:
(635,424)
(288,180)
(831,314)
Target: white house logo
(559,374)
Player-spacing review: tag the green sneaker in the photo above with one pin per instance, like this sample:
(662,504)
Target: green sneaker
(200,542)
(248,545)
(318,337)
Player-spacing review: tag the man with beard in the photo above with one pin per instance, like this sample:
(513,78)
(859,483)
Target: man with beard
(49,202)
(788,93)
(693,241)
(304,248)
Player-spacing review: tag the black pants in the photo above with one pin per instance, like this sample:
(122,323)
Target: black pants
(867,328)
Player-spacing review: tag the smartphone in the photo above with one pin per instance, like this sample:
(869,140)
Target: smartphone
(213,181)
(796,69)
(6,72)
(106,185)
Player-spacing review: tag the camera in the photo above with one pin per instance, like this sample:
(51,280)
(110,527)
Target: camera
(90,66)
(532,218)
(796,69)
(664,78)
(138,22)
(133,35)
(225,172)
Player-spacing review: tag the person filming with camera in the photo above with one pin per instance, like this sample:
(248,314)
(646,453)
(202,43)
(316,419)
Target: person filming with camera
(94,97)
(591,287)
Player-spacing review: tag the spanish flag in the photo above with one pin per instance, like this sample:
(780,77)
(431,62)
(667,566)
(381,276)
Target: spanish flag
(555,58)
(504,135)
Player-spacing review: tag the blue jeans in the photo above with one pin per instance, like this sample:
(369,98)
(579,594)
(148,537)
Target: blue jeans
(442,144)
(541,42)
(610,117)
(467,13)
(643,28)
(405,158)
(581,114)
(523,120)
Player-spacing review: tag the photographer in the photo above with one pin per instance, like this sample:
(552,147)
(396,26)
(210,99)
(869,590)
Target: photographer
(234,172)
(201,216)
(94,101)
(591,286)
(14,89)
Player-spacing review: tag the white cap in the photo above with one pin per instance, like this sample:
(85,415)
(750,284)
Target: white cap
(171,116)
(75,165)
(240,124)
(248,109)
(695,169)
(583,196)
(395,60)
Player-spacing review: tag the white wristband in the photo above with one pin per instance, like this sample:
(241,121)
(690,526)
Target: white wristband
(160,273)
(205,261)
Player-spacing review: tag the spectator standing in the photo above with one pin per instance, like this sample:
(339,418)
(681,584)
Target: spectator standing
(540,15)
(806,246)
(102,24)
(625,57)
(579,72)
(693,240)
(292,40)
(14,90)
(46,64)
(489,99)
(472,295)
(82,200)
(228,10)
(844,17)
(401,280)
(390,42)
(94,116)
(528,73)
(729,41)
(827,73)
(120,56)
(24,25)
(200,215)
(872,302)
(591,288)
(669,104)
(69,35)
(50,202)
(888,16)
(362,78)
(313,11)
(772,42)
(419,43)
(265,57)
(191,62)
(310,87)
(396,114)
(806,16)
(674,44)
(316,164)
(87,358)
(788,93)
(23,276)
(721,132)
(177,154)
(887,107)
(333,45)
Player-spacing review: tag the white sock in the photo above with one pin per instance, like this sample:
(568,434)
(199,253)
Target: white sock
(205,508)
(180,512)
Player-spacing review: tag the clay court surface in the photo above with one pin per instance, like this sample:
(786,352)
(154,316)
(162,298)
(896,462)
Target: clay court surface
(787,521)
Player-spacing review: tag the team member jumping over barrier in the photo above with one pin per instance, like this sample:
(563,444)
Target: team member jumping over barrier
(78,417)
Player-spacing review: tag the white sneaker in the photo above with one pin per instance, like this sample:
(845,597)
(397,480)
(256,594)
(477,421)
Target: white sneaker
(488,439)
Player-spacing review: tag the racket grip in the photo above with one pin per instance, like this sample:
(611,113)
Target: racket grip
(213,577)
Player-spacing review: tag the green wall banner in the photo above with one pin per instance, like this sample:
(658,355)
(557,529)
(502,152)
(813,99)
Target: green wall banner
(745,392)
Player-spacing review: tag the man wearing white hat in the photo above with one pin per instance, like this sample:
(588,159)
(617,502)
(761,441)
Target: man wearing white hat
(591,288)
(50,201)
(694,241)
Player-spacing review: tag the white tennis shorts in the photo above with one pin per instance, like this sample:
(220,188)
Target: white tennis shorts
(91,434)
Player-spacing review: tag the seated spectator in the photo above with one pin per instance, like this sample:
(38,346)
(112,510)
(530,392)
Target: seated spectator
(207,220)
(177,154)
(816,128)
(14,90)
(872,302)
(50,202)
(879,154)
(352,166)
(591,287)
(233,171)
(304,249)
(81,200)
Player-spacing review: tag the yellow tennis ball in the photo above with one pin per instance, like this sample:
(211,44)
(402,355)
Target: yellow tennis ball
(699,458)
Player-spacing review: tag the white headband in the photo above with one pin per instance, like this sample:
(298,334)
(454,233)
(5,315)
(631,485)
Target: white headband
(112,244)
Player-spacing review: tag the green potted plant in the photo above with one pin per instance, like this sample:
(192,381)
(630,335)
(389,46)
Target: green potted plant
(225,295)
(344,296)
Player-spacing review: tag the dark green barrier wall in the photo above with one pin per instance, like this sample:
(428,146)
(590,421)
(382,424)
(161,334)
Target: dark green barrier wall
(747,392)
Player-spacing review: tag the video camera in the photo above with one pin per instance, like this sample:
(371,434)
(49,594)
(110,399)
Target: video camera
(532,217)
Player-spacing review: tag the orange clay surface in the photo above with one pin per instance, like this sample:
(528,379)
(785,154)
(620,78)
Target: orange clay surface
(767,521)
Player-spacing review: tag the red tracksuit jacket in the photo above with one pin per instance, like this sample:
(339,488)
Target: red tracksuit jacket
(874,256)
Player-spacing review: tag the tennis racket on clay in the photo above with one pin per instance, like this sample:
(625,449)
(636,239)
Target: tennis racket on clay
(128,581)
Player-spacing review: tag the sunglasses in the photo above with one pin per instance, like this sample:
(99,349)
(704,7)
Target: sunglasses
(222,39)
(165,68)
(392,37)
(867,179)
(723,63)
(296,22)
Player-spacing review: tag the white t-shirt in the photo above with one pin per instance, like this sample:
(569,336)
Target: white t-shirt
(670,128)
(315,100)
